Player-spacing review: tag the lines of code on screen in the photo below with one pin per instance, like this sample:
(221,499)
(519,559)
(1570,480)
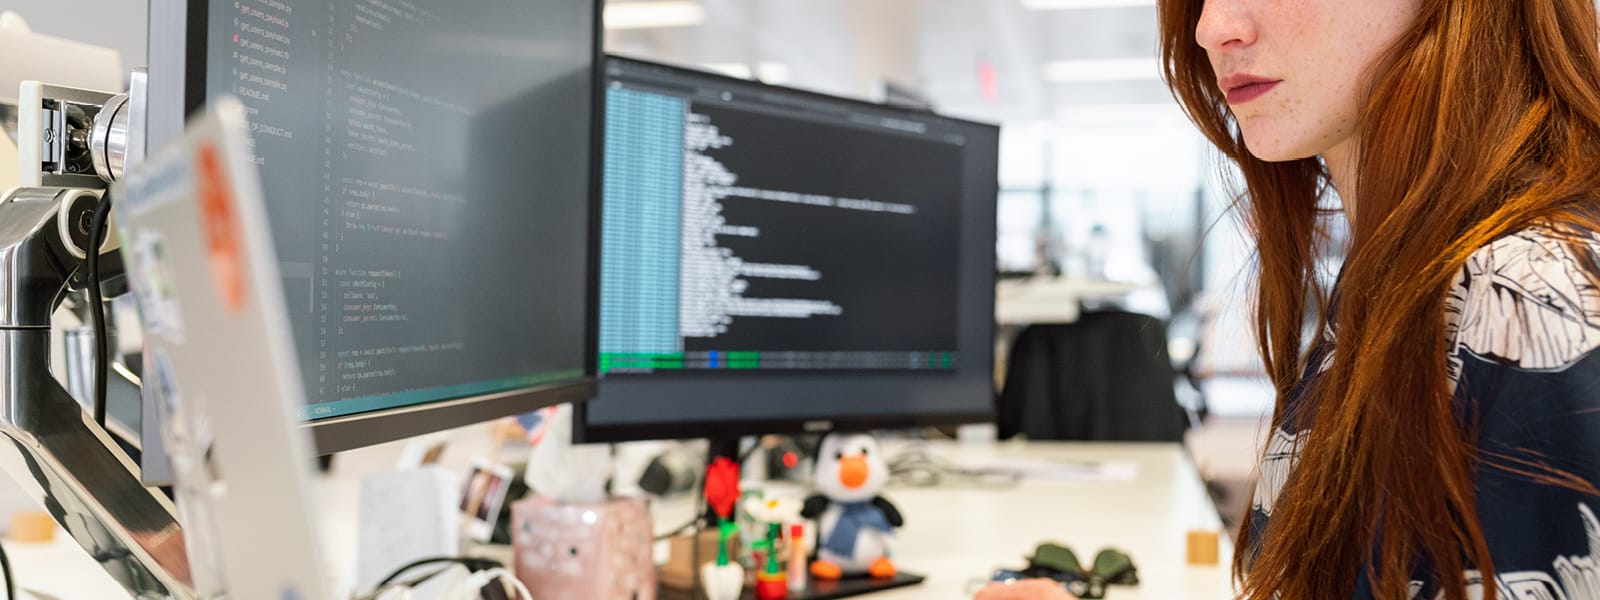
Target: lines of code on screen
(743,234)
(426,175)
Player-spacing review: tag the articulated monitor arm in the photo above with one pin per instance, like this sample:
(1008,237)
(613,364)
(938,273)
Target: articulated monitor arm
(48,443)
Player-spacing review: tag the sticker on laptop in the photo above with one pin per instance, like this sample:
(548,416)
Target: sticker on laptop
(223,231)
(162,385)
(154,285)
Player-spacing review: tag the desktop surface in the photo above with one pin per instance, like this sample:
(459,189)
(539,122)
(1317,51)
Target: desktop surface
(958,533)
(955,534)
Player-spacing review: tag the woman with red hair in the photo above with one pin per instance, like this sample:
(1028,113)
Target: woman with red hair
(1437,429)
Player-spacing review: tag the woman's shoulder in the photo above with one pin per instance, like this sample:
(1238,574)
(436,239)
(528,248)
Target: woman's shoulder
(1529,379)
(1529,300)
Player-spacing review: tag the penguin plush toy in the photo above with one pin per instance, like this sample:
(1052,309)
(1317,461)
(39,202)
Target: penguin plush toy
(854,523)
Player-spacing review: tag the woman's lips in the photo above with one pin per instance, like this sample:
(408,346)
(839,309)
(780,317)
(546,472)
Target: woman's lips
(1244,88)
(1249,91)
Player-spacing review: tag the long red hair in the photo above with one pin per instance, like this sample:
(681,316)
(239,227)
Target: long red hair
(1483,119)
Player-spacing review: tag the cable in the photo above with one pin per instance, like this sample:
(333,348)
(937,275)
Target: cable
(472,587)
(97,308)
(5,565)
(692,524)
(516,584)
(744,456)
(472,564)
(402,590)
(916,466)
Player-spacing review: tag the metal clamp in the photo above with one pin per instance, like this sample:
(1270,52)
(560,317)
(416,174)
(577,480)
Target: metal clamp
(108,141)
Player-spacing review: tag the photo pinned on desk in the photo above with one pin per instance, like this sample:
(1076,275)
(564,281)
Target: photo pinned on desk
(482,496)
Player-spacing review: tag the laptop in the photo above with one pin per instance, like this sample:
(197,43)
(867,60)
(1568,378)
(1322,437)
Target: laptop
(201,262)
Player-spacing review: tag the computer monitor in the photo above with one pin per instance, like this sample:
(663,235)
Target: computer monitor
(778,261)
(430,173)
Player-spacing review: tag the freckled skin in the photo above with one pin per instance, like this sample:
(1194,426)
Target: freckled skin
(1319,49)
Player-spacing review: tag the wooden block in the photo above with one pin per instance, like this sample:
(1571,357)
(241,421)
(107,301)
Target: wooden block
(679,571)
(1203,547)
(32,527)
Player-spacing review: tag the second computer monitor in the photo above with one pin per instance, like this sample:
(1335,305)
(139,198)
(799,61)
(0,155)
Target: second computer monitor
(775,260)
(429,169)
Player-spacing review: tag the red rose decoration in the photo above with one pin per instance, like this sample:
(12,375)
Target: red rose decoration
(722,486)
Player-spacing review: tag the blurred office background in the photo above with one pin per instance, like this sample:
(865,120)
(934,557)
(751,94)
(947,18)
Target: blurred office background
(1102,176)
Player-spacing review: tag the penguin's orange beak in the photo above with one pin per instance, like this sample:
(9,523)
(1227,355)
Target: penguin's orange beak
(853,471)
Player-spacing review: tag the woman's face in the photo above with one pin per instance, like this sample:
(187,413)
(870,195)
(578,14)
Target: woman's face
(1293,70)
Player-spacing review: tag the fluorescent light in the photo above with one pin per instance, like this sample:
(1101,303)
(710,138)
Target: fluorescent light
(740,70)
(1082,4)
(645,15)
(775,73)
(1102,69)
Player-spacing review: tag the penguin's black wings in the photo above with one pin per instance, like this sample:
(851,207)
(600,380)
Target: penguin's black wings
(814,506)
(889,511)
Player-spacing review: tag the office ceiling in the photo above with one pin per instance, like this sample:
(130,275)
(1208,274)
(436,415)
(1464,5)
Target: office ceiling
(1100,50)
(1010,61)
(845,47)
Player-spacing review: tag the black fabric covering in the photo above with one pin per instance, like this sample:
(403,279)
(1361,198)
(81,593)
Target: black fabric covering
(1105,377)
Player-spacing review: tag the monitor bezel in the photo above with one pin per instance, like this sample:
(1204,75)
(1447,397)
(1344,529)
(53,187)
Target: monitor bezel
(178,45)
(584,433)
(589,433)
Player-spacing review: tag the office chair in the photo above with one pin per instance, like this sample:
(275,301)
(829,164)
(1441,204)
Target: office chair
(1106,377)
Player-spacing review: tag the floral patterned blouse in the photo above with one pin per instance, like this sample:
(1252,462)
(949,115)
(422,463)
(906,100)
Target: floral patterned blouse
(1523,322)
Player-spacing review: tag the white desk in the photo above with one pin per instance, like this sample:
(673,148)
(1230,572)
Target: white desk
(61,569)
(1049,299)
(954,535)
(1148,518)
(957,536)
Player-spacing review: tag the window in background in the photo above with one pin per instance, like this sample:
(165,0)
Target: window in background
(1024,242)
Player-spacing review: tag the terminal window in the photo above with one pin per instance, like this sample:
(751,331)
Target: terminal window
(751,228)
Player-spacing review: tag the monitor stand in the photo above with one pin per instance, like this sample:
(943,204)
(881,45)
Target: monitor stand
(815,589)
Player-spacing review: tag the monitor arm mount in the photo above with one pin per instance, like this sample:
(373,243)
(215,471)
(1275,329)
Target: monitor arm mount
(49,443)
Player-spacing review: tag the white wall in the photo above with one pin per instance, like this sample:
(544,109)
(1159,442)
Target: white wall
(115,24)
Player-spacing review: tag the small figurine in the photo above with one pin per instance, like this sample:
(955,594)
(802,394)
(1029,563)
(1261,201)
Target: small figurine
(854,523)
(723,579)
(772,581)
(797,558)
